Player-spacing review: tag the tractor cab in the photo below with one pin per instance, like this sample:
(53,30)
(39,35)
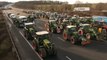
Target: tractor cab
(31,18)
(55,27)
(23,18)
(52,18)
(100,23)
(65,21)
(13,17)
(85,25)
(100,20)
(86,20)
(29,30)
(43,37)
(29,25)
(71,28)
(43,34)
(20,21)
(69,31)
(73,20)
(52,23)
(87,30)
(43,45)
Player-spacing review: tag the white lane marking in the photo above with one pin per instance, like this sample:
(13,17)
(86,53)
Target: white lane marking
(60,39)
(30,45)
(68,58)
(9,25)
(10,20)
(25,38)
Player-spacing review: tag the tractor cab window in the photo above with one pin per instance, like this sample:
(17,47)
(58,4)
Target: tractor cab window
(20,21)
(24,19)
(29,26)
(42,37)
(52,18)
(73,29)
(88,26)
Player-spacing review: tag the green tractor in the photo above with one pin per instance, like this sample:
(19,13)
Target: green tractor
(54,27)
(86,20)
(31,18)
(87,29)
(29,30)
(101,30)
(13,17)
(43,45)
(64,24)
(20,21)
(75,36)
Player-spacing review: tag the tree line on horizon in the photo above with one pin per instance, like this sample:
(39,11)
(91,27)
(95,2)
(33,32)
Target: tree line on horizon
(59,6)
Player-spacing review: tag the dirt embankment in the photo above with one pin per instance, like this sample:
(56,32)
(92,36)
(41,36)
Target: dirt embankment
(5,41)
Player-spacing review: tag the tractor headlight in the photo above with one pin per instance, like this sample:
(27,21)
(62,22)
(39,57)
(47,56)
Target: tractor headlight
(83,39)
(61,27)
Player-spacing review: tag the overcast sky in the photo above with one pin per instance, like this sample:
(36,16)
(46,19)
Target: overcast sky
(70,1)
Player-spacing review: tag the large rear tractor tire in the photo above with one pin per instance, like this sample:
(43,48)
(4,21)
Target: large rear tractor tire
(42,52)
(35,45)
(65,36)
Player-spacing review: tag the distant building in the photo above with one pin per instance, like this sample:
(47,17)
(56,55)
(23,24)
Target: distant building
(81,9)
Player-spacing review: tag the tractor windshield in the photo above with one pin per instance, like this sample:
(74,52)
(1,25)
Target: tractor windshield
(29,26)
(73,29)
(24,19)
(87,26)
(42,37)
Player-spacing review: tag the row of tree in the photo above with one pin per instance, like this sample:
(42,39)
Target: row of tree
(60,7)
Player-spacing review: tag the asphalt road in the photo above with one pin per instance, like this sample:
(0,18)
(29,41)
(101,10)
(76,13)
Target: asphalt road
(66,51)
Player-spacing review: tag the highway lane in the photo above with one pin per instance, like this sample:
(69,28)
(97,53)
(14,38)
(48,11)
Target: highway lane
(24,48)
(95,51)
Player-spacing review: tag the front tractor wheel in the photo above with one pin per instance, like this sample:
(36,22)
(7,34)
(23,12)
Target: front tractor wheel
(42,52)
(72,39)
(65,36)
(88,36)
(58,30)
(33,45)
